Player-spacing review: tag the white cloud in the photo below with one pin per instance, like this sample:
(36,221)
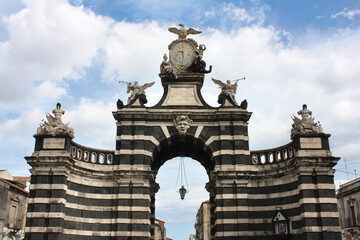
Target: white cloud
(238,14)
(93,123)
(347,13)
(229,16)
(279,79)
(26,123)
(48,41)
(16,137)
(127,58)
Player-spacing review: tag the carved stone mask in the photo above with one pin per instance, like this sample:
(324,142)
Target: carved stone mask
(182,124)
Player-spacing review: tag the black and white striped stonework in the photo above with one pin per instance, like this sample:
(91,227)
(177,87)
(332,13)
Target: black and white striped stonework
(83,200)
(246,208)
(211,144)
(73,196)
(79,192)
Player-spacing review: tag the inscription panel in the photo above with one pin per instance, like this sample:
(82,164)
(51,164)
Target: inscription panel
(310,143)
(54,143)
(182,95)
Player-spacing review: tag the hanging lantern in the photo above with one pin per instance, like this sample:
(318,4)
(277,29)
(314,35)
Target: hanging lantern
(181,172)
(182,192)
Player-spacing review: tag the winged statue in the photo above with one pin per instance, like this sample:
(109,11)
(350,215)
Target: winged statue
(136,89)
(227,88)
(183,32)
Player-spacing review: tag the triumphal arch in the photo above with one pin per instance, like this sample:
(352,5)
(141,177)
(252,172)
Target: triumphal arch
(78,192)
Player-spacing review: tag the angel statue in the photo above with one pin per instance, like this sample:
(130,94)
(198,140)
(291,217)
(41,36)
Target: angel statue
(137,90)
(227,88)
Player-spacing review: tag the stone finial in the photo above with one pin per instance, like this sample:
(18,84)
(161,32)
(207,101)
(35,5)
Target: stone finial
(54,125)
(182,124)
(306,124)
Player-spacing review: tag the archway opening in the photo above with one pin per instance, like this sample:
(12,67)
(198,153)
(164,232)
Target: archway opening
(180,215)
(185,146)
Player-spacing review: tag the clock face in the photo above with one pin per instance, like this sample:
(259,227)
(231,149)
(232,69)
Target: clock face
(182,53)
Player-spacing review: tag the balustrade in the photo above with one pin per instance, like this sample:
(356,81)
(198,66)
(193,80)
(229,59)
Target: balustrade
(91,155)
(274,155)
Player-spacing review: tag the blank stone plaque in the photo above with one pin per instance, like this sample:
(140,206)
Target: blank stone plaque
(310,143)
(54,143)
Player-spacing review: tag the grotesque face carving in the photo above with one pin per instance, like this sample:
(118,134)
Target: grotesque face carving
(182,124)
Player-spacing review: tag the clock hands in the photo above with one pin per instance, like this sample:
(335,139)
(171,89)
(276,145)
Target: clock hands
(182,54)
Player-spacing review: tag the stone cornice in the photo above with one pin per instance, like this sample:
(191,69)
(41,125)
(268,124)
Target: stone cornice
(168,114)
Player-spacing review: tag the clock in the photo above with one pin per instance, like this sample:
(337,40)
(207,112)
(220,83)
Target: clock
(182,54)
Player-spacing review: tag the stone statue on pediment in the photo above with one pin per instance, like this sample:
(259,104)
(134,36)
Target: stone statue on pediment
(306,124)
(227,89)
(137,91)
(182,32)
(166,67)
(54,125)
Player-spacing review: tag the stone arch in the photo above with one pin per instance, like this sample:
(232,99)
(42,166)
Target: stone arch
(119,193)
(183,146)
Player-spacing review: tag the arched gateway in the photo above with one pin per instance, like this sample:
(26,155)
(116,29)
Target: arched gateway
(281,193)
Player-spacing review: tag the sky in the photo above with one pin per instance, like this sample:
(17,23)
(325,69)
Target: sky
(76,52)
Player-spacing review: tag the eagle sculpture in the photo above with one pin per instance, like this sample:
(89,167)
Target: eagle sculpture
(183,32)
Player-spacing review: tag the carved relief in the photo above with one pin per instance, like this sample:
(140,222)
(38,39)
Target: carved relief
(255,159)
(54,125)
(182,124)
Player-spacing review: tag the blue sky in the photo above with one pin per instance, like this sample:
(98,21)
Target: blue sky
(291,53)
